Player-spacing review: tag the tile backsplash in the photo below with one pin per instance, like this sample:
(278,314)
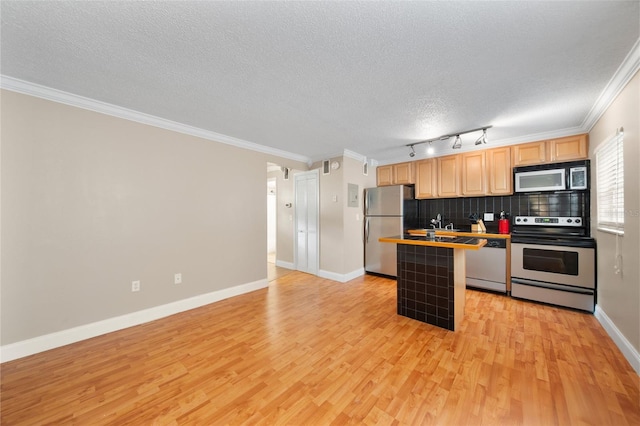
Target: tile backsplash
(457,210)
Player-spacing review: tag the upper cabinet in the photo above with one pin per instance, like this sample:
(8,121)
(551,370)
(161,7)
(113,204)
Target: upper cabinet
(426,178)
(474,173)
(403,174)
(395,174)
(569,148)
(480,173)
(449,174)
(551,151)
(384,175)
(499,171)
(529,153)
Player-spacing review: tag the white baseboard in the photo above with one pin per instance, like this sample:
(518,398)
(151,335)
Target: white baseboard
(343,278)
(54,340)
(283,264)
(629,352)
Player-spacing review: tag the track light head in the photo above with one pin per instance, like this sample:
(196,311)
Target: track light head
(457,144)
(482,139)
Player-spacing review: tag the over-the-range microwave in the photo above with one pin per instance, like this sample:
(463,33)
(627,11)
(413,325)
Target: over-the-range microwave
(552,177)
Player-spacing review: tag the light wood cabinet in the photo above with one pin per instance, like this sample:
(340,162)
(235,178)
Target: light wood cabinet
(569,148)
(499,171)
(426,178)
(403,173)
(384,175)
(474,173)
(395,174)
(529,153)
(479,173)
(449,174)
(551,151)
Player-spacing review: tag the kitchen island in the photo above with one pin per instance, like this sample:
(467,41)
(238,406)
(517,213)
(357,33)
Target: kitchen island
(431,277)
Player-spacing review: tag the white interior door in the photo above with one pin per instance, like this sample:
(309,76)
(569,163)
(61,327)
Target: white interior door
(307,213)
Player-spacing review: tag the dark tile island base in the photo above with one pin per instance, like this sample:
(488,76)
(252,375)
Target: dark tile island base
(431,277)
(426,284)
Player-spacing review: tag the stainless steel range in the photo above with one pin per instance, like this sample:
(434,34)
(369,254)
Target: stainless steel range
(553,261)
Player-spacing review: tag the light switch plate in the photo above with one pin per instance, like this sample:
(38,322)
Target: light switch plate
(488,217)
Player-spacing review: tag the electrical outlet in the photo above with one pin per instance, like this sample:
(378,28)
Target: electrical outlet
(177,279)
(135,285)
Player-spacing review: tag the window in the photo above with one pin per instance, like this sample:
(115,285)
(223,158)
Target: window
(610,190)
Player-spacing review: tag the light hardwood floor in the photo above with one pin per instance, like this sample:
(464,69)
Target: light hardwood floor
(309,351)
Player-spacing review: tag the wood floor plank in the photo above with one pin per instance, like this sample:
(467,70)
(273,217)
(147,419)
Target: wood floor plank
(316,352)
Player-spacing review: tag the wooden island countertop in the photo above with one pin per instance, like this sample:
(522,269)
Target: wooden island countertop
(440,240)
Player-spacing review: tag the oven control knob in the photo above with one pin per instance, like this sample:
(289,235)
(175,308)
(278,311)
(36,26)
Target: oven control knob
(569,221)
(577,220)
(518,220)
(525,219)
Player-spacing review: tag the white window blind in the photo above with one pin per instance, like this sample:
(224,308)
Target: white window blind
(610,190)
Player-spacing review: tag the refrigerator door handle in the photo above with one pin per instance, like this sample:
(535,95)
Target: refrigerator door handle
(366,202)
(366,230)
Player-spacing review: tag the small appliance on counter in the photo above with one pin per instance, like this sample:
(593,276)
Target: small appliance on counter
(503,223)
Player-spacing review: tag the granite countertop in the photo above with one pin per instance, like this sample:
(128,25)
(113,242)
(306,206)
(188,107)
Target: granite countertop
(446,241)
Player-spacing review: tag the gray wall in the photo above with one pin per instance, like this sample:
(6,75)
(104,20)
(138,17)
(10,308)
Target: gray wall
(91,202)
(619,295)
(341,247)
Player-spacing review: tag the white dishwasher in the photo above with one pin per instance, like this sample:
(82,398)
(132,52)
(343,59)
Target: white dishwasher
(487,267)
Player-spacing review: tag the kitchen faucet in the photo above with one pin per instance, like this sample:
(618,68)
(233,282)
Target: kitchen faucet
(437,220)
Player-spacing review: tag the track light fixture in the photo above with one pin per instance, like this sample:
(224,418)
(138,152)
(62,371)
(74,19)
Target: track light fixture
(482,139)
(457,143)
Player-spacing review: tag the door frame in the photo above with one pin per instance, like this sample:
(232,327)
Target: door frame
(314,173)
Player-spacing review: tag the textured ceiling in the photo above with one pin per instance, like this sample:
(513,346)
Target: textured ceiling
(315,78)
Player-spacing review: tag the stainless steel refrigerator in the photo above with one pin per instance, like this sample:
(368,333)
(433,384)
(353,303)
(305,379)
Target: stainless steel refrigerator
(388,211)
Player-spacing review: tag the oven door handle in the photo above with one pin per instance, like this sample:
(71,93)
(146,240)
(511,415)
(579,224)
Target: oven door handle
(543,284)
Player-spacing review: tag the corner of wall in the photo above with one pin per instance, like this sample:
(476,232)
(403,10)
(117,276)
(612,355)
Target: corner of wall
(618,338)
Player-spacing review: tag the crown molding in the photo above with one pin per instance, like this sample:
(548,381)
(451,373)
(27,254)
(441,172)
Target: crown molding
(59,96)
(354,155)
(625,72)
